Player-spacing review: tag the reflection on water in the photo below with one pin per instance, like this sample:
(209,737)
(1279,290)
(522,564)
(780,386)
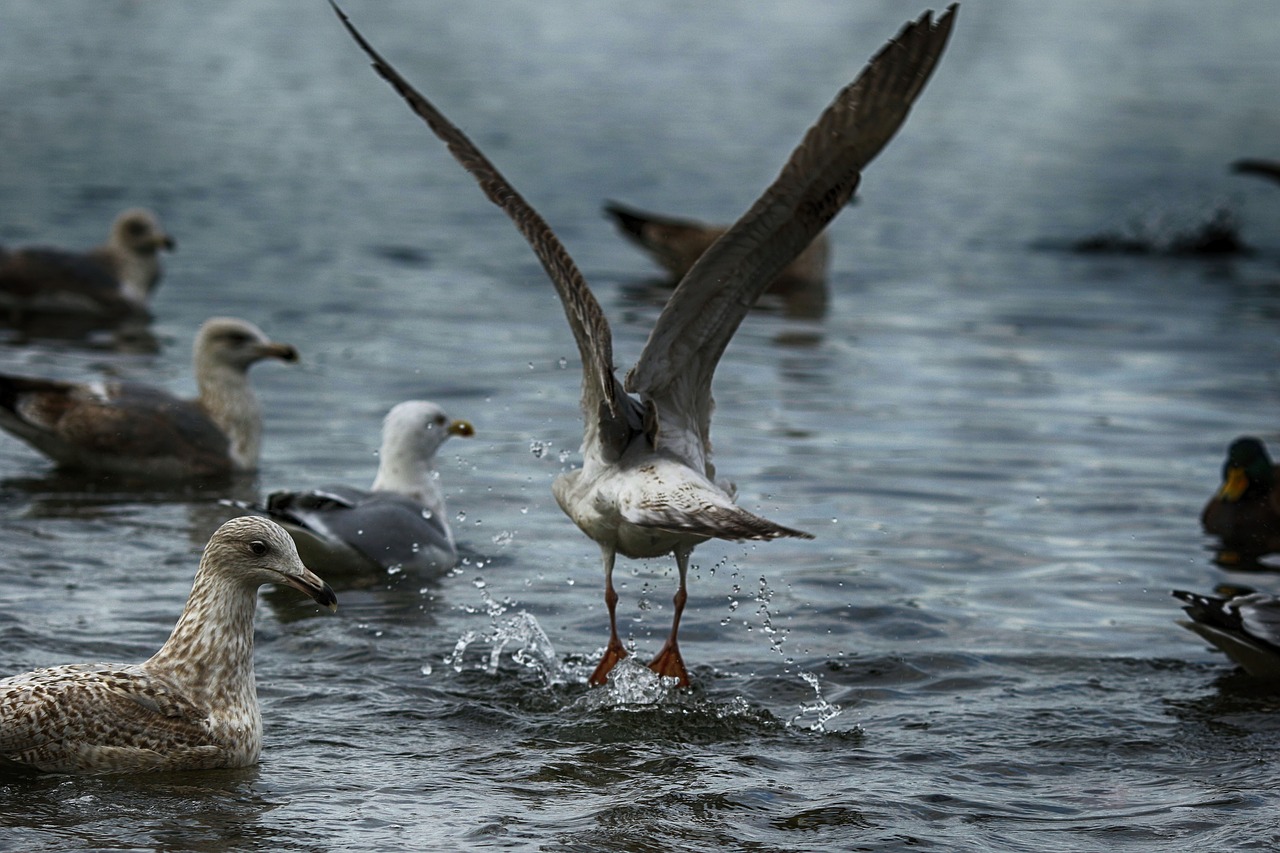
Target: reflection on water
(88,332)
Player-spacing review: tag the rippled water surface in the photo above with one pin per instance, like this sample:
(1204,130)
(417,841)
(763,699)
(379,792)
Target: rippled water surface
(1002,445)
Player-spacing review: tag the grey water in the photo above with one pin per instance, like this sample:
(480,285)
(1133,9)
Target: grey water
(1001,445)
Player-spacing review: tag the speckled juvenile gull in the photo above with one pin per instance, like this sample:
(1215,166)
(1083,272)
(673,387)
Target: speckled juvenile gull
(647,486)
(193,705)
(1246,627)
(676,244)
(114,280)
(137,430)
(399,521)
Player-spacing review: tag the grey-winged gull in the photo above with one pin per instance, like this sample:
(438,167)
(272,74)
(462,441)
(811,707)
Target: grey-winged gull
(647,486)
(676,244)
(193,705)
(137,430)
(399,521)
(1246,627)
(114,281)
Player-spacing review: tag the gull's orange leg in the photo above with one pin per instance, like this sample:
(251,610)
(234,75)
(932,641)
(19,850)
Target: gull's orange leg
(614,652)
(668,663)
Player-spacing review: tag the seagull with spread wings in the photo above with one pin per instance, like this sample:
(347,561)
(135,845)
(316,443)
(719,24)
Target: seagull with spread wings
(647,486)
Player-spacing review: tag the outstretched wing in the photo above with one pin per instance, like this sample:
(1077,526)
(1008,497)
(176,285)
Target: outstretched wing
(602,394)
(680,357)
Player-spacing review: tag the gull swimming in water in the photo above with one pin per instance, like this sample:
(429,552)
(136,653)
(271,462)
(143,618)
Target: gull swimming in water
(193,705)
(137,430)
(1246,627)
(113,281)
(647,486)
(398,521)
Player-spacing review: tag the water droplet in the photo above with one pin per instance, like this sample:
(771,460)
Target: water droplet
(426,669)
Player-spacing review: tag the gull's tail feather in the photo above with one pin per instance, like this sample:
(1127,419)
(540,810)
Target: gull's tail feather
(734,524)
(640,225)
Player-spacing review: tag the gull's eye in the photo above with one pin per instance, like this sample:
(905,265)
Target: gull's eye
(439,420)
(258,548)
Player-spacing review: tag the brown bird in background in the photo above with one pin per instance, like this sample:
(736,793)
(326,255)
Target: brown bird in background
(114,281)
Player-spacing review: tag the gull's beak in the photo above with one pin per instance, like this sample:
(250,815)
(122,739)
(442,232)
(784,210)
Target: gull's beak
(310,584)
(1235,484)
(164,241)
(284,352)
(461,428)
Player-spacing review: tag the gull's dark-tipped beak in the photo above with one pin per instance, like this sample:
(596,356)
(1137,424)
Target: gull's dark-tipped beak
(462,428)
(284,352)
(312,585)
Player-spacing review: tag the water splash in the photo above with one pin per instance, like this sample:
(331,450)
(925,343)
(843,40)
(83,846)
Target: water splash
(815,715)
(631,684)
(531,647)
(777,636)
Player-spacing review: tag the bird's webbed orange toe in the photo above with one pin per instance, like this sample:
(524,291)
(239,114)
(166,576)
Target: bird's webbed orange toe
(613,653)
(669,664)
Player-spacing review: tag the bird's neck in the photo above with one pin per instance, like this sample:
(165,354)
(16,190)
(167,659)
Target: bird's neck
(137,272)
(411,476)
(229,402)
(210,651)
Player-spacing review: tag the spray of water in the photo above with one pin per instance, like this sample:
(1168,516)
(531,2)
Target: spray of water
(519,631)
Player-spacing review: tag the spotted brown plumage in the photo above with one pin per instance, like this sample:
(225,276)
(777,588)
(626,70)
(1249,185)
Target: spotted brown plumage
(647,487)
(193,705)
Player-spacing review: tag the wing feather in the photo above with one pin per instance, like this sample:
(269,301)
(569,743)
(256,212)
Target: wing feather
(602,394)
(816,183)
(98,705)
